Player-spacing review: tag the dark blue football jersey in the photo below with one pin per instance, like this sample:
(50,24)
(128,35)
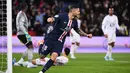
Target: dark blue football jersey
(48,29)
(62,26)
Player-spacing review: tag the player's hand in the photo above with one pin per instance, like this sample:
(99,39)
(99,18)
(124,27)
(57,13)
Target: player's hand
(122,31)
(106,36)
(28,36)
(89,35)
(50,20)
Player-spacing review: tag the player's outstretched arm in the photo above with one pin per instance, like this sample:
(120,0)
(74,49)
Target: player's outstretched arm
(84,34)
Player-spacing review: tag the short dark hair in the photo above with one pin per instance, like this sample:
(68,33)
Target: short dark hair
(110,7)
(23,6)
(67,51)
(70,7)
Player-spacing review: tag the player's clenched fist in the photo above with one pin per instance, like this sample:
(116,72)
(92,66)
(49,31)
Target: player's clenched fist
(89,35)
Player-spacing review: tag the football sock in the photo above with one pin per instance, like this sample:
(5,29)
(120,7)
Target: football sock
(76,47)
(72,49)
(109,51)
(30,55)
(47,65)
(24,54)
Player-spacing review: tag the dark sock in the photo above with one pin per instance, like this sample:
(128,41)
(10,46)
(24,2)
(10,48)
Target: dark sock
(47,65)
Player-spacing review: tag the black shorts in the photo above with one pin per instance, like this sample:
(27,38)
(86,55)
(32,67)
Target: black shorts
(49,47)
(23,39)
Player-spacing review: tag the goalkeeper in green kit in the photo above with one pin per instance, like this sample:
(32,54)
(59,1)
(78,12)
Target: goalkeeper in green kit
(23,36)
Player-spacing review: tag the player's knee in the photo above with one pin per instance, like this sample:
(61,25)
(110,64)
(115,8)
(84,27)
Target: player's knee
(113,44)
(29,45)
(110,44)
(77,43)
(42,55)
(54,55)
(73,43)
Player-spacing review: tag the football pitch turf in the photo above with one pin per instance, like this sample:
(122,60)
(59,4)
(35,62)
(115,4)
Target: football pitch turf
(85,63)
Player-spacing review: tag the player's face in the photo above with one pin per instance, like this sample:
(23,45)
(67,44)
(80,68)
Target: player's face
(111,10)
(26,8)
(76,12)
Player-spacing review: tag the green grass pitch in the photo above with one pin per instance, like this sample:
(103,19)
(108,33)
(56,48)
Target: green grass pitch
(3,62)
(85,63)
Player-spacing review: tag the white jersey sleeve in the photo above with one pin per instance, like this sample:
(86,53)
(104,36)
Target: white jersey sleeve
(104,23)
(117,25)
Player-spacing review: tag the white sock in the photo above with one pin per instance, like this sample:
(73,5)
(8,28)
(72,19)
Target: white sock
(72,49)
(107,54)
(109,51)
(25,54)
(30,55)
(110,54)
(76,47)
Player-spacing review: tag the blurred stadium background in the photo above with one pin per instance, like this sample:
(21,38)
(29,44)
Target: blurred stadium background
(92,14)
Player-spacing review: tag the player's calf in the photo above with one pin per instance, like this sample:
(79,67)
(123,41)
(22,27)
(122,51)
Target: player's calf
(54,55)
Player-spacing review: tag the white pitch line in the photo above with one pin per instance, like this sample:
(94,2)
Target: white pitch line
(123,61)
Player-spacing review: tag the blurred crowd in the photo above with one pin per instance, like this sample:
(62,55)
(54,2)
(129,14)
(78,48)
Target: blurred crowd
(92,14)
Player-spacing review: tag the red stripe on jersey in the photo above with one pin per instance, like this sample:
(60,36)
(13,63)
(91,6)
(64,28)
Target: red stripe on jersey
(62,36)
(64,33)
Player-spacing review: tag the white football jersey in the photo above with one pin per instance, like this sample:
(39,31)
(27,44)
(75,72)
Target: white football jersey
(21,23)
(62,59)
(42,62)
(110,23)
